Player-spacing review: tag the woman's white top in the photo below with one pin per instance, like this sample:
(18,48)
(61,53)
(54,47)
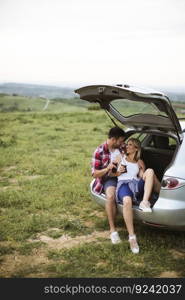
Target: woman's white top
(114,154)
(132,170)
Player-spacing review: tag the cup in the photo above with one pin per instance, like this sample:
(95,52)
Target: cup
(114,169)
(125,166)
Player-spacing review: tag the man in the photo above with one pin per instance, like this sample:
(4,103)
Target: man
(102,166)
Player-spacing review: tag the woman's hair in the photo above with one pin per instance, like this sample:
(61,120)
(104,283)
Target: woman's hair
(137,144)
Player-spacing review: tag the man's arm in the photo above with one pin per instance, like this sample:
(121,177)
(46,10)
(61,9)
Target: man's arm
(97,170)
(102,172)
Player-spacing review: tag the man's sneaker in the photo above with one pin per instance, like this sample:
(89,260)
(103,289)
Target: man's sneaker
(114,236)
(134,247)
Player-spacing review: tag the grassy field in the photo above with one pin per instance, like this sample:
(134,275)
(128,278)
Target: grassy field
(50,227)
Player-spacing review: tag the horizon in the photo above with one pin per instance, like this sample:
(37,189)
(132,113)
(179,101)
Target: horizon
(76,85)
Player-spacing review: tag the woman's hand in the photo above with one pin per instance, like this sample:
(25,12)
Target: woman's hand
(122,169)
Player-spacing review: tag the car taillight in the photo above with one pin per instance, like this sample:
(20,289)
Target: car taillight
(172,183)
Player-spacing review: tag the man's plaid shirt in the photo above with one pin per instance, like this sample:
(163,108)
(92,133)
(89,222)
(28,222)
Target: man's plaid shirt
(101,160)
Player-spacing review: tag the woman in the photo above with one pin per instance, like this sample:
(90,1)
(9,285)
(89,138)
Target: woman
(134,184)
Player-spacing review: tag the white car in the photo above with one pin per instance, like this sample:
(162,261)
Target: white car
(162,137)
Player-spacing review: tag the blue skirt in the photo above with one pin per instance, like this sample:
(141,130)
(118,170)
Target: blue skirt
(124,191)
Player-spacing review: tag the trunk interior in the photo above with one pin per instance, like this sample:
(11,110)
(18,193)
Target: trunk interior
(158,153)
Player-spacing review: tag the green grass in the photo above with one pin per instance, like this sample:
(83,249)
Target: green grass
(106,260)
(44,190)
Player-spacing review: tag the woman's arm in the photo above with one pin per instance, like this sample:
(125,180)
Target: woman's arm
(141,168)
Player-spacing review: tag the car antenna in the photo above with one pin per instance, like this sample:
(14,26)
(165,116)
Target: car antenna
(111,118)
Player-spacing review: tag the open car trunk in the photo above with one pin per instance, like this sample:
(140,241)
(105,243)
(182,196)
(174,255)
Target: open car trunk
(134,107)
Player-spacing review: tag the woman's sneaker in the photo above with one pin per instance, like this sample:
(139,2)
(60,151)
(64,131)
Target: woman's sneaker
(145,207)
(115,239)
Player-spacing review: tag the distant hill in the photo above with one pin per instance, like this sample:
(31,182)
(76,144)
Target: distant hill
(34,90)
(175,96)
(58,92)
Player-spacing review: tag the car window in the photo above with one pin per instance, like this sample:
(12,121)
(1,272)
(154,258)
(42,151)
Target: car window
(160,142)
(172,143)
(139,136)
(127,107)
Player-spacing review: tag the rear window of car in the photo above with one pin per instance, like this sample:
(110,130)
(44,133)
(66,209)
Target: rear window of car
(127,107)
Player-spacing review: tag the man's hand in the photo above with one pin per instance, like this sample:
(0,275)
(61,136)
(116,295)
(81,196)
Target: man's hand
(103,172)
(110,167)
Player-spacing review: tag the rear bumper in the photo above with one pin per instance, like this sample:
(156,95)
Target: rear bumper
(163,216)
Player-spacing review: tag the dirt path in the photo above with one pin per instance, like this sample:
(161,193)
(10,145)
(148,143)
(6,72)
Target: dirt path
(14,263)
(65,241)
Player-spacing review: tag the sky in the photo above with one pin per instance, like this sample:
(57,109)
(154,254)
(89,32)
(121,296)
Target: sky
(77,42)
